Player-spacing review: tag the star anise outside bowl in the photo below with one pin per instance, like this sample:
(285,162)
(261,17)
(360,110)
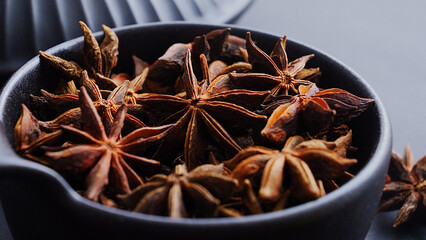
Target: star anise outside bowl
(37,201)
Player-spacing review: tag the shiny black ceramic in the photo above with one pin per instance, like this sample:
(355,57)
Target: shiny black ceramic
(39,203)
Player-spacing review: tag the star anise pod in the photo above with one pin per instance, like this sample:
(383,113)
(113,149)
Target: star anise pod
(311,110)
(66,87)
(126,92)
(182,194)
(407,187)
(217,44)
(307,164)
(109,158)
(203,117)
(98,60)
(338,139)
(28,138)
(68,104)
(209,100)
(272,72)
(219,68)
(69,69)
(234,50)
(139,65)
(212,73)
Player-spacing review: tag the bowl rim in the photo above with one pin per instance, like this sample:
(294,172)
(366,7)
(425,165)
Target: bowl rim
(372,167)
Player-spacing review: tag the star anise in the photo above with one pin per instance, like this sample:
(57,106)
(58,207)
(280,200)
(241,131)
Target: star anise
(139,65)
(202,116)
(272,72)
(106,107)
(217,44)
(109,158)
(126,92)
(307,164)
(182,194)
(69,69)
(141,69)
(218,68)
(407,187)
(209,101)
(311,110)
(338,139)
(29,138)
(98,60)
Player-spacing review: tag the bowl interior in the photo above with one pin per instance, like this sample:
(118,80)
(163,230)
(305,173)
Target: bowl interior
(151,41)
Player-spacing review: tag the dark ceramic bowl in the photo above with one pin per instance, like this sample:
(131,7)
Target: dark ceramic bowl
(38,202)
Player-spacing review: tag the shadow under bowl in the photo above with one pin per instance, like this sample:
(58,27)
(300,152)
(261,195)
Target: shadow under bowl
(38,202)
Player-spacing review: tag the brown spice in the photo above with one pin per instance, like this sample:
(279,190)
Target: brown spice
(406,189)
(107,157)
(182,194)
(206,102)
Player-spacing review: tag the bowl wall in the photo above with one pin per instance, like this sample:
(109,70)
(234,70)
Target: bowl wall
(38,202)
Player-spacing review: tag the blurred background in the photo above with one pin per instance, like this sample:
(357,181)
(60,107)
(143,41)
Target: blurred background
(382,40)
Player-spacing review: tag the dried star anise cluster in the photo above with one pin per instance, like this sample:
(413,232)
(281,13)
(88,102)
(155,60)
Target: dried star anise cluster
(215,127)
(405,187)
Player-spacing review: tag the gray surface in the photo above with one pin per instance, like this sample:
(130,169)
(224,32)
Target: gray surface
(385,42)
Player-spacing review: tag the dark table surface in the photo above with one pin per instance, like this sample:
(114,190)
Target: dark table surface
(384,41)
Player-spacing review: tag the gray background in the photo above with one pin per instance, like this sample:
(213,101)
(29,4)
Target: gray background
(384,41)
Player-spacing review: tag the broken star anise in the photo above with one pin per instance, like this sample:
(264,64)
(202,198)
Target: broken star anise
(182,194)
(108,157)
(406,189)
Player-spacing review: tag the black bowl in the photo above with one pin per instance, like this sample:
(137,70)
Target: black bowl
(38,202)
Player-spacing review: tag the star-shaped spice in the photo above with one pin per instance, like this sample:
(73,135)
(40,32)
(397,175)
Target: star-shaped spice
(216,114)
(98,60)
(217,44)
(109,159)
(107,108)
(272,72)
(182,194)
(127,91)
(69,69)
(202,117)
(218,68)
(311,111)
(306,163)
(29,138)
(406,189)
